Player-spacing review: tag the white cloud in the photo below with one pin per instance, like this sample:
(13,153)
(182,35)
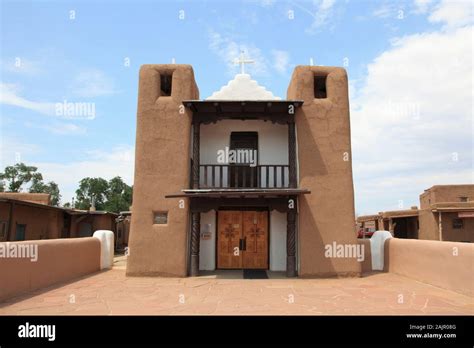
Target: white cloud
(321,13)
(228,50)
(59,128)
(421,6)
(280,61)
(13,150)
(453,13)
(118,161)
(92,83)
(9,95)
(411,120)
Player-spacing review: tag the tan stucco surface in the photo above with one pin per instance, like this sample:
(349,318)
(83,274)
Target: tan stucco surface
(162,166)
(59,260)
(448,265)
(324,156)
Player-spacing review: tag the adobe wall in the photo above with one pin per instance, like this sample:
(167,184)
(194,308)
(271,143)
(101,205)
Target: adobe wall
(40,198)
(323,138)
(162,166)
(59,260)
(445,193)
(448,265)
(4,216)
(40,223)
(428,225)
(465,234)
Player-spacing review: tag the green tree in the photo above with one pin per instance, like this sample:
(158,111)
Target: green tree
(19,175)
(38,186)
(2,186)
(119,195)
(91,189)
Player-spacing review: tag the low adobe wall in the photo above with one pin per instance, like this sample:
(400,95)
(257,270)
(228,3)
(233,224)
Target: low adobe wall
(58,260)
(448,265)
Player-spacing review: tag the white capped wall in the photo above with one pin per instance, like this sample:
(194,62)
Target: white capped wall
(277,241)
(207,250)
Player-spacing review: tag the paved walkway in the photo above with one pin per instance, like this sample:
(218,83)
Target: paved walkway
(111,292)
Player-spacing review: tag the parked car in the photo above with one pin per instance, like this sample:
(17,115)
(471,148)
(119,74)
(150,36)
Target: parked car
(362,233)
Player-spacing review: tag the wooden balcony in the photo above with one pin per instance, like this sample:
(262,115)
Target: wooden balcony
(221,176)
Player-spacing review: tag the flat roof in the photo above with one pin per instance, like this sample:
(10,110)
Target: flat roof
(400,213)
(45,206)
(238,193)
(364,218)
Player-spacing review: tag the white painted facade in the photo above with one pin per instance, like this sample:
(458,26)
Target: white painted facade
(272,150)
(272,143)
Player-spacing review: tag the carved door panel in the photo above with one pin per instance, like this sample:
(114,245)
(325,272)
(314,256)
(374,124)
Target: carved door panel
(255,236)
(228,239)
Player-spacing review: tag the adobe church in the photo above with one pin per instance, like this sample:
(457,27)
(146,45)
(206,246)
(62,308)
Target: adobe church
(242,179)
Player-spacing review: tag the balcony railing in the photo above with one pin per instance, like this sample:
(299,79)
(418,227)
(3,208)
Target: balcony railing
(243,176)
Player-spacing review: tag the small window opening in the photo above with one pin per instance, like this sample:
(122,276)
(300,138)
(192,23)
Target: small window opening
(463,199)
(160,217)
(166,80)
(320,87)
(458,223)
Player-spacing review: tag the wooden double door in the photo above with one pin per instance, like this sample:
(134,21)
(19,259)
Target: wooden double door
(242,239)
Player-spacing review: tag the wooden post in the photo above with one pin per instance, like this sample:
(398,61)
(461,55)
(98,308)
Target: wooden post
(195,240)
(293,182)
(291,243)
(196,142)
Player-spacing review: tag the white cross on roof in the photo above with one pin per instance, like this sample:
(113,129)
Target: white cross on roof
(242,61)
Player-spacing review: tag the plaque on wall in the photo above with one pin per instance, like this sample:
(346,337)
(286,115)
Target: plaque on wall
(206,235)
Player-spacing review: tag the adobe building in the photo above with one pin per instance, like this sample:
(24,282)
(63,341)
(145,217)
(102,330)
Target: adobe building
(446,213)
(29,216)
(196,208)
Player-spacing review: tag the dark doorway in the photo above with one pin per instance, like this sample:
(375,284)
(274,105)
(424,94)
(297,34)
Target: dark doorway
(20,232)
(66,232)
(245,145)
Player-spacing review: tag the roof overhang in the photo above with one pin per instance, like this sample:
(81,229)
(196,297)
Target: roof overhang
(452,206)
(277,111)
(238,193)
(400,214)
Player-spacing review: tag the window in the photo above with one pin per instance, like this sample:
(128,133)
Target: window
(320,86)
(463,199)
(165,84)
(246,146)
(160,217)
(458,223)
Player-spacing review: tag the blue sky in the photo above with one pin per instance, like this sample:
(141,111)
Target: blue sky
(409,65)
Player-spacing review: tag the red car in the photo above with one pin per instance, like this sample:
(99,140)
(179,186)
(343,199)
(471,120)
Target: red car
(362,233)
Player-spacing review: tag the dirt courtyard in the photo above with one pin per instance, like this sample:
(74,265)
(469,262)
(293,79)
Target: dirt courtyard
(226,293)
